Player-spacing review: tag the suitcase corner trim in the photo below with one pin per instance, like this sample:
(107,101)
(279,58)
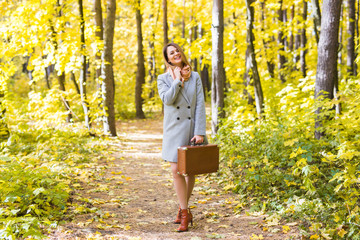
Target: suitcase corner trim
(182,148)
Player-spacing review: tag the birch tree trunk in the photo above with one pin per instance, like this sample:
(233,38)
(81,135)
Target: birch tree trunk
(151,48)
(140,74)
(218,73)
(99,33)
(326,75)
(61,76)
(108,84)
(82,78)
(251,63)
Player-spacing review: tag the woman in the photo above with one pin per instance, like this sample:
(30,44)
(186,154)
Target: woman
(181,91)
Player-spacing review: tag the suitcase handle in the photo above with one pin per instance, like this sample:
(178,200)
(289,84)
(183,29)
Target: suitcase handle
(192,143)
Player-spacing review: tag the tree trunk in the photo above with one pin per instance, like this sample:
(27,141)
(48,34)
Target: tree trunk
(165,23)
(303,41)
(291,38)
(195,61)
(247,78)
(108,85)
(357,33)
(317,18)
(351,39)
(73,79)
(99,34)
(151,47)
(269,63)
(251,59)
(205,78)
(297,42)
(140,74)
(281,43)
(235,32)
(218,73)
(204,72)
(4,129)
(340,50)
(326,75)
(82,79)
(47,79)
(61,77)
(285,19)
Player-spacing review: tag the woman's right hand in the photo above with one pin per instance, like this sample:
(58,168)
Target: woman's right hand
(177,72)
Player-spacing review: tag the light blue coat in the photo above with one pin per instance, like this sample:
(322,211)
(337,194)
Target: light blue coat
(184,112)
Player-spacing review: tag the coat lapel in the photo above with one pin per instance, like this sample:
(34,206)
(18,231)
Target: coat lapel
(188,91)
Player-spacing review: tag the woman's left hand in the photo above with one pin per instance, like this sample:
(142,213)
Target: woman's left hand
(198,139)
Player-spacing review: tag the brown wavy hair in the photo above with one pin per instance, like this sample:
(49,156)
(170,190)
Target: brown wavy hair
(183,57)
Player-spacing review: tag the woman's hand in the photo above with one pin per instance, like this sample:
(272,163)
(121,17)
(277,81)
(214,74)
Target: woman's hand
(177,73)
(198,139)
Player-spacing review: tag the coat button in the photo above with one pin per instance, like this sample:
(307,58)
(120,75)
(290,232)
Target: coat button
(188,107)
(189,118)
(178,107)
(178,118)
(180,85)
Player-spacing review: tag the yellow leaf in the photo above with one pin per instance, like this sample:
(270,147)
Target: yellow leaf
(290,142)
(286,229)
(315,236)
(342,233)
(255,237)
(127,227)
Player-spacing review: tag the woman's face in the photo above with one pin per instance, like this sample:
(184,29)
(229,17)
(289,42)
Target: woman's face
(174,56)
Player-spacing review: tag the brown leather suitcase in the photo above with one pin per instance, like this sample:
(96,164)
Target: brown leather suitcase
(195,160)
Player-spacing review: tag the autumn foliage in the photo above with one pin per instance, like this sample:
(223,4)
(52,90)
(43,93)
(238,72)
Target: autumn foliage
(270,158)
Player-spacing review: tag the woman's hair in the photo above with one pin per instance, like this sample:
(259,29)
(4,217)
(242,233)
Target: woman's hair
(183,57)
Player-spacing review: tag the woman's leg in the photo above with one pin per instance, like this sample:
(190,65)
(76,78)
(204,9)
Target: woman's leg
(180,186)
(190,182)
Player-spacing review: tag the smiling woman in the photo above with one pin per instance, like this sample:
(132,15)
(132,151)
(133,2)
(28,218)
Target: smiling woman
(181,91)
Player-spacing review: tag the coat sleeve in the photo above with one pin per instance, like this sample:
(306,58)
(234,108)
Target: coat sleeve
(200,115)
(168,94)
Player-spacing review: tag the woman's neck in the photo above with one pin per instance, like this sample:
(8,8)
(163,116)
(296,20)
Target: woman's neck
(180,65)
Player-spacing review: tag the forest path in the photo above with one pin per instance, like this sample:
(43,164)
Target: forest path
(130,196)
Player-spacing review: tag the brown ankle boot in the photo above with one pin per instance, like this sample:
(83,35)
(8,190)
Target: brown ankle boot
(190,217)
(178,217)
(185,219)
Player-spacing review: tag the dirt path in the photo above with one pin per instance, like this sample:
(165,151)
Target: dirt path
(130,196)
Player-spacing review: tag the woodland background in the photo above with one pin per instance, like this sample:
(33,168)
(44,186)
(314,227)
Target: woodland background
(281,76)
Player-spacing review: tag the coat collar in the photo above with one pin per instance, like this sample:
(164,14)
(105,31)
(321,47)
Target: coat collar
(189,87)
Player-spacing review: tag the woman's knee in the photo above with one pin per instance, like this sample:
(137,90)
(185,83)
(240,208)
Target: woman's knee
(174,170)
